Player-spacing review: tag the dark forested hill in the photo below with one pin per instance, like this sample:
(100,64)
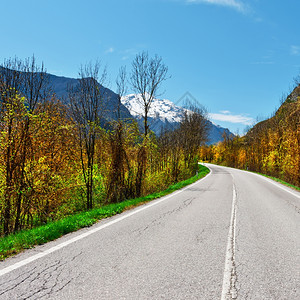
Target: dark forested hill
(271,147)
(60,86)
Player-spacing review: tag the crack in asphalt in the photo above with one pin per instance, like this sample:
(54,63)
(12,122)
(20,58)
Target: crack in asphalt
(199,237)
(294,206)
(157,221)
(16,279)
(43,284)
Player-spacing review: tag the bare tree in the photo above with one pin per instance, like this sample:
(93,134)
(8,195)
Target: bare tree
(10,79)
(193,132)
(86,100)
(36,87)
(116,180)
(121,88)
(146,78)
(297,80)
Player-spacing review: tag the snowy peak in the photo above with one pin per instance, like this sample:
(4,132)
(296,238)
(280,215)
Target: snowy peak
(165,114)
(162,109)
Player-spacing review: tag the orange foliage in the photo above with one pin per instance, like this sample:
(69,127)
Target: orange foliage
(271,147)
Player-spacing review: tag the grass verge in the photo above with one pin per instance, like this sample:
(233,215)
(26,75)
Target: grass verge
(297,188)
(26,239)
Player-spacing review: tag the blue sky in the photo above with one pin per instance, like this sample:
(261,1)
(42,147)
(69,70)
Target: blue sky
(236,57)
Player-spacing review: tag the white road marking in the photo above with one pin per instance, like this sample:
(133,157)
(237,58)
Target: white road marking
(279,185)
(229,291)
(91,231)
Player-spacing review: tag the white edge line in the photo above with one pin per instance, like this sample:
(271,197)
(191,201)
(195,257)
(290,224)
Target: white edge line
(277,184)
(91,231)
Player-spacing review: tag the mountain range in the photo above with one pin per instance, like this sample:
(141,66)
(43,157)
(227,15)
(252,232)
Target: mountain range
(164,114)
(60,87)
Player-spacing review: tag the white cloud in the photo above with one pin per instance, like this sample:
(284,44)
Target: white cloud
(295,50)
(236,4)
(227,116)
(224,111)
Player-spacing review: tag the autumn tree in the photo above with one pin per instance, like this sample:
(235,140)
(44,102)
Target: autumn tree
(270,147)
(119,161)
(52,171)
(35,89)
(22,85)
(146,78)
(13,114)
(193,132)
(88,111)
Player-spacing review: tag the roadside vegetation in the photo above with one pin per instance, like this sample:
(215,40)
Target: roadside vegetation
(15,243)
(60,157)
(271,147)
(297,188)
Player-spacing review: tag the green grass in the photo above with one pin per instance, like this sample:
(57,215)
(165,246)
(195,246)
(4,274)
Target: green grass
(271,177)
(26,239)
(281,181)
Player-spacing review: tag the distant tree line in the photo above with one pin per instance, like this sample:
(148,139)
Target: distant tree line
(57,159)
(271,147)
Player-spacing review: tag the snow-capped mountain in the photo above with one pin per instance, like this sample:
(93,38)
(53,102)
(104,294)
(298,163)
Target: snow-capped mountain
(165,114)
(162,109)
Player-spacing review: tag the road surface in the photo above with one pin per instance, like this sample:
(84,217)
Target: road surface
(231,235)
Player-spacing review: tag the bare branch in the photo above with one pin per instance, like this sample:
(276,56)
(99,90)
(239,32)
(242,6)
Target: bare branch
(121,88)
(146,78)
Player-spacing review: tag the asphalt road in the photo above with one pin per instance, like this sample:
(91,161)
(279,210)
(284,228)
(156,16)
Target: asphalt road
(231,235)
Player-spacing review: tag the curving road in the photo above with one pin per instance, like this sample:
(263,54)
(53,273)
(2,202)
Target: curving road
(231,235)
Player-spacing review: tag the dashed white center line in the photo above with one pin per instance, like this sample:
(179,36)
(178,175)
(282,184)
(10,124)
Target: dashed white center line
(229,291)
